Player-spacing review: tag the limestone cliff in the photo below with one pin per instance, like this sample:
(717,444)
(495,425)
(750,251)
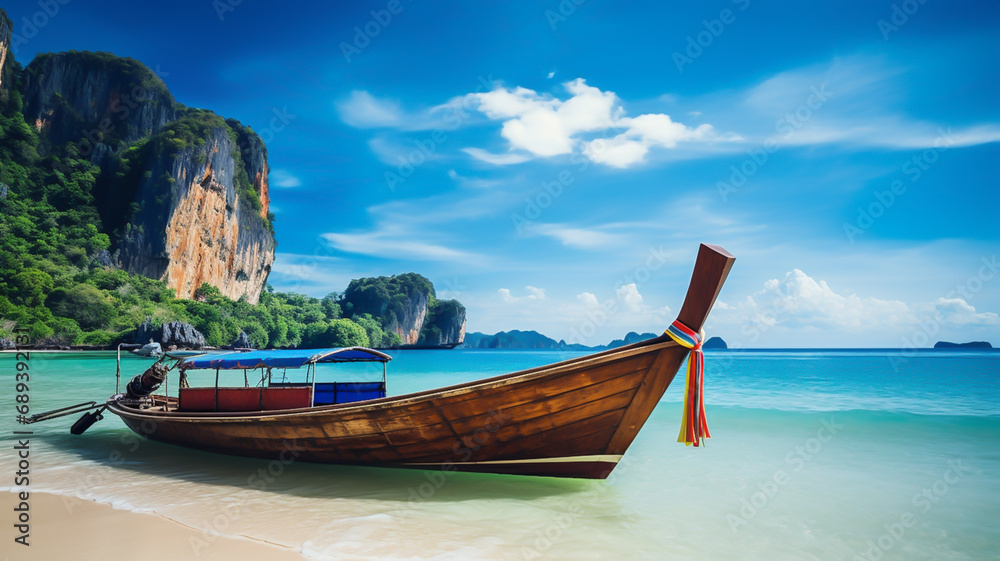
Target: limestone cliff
(445,325)
(95,98)
(183,192)
(406,305)
(6,27)
(194,225)
(254,154)
(410,323)
(454,334)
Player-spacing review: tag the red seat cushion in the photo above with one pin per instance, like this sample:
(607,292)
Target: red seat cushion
(245,399)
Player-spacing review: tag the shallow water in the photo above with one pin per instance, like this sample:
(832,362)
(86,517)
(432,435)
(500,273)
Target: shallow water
(815,455)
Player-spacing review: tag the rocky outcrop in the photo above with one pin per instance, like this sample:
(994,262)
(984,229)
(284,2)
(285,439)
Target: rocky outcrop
(406,306)
(715,343)
(176,333)
(241,341)
(94,99)
(410,323)
(6,28)
(445,325)
(254,155)
(453,328)
(194,226)
(183,192)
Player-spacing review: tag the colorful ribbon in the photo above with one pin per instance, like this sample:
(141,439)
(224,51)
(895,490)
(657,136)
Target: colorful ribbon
(694,427)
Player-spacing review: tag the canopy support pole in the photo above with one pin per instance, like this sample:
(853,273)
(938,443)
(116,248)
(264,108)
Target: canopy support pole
(313,384)
(118,370)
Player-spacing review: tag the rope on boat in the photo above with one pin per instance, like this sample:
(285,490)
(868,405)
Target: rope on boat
(694,426)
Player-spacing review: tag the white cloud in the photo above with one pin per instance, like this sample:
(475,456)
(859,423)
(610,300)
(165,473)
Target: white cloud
(546,126)
(533,295)
(799,298)
(390,242)
(496,159)
(364,111)
(474,182)
(661,130)
(619,152)
(799,301)
(630,297)
(644,131)
(588,299)
(316,275)
(848,100)
(958,312)
(282,178)
(852,100)
(393,153)
(579,238)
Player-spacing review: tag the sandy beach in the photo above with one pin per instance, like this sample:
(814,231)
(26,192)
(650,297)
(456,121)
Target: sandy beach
(63,527)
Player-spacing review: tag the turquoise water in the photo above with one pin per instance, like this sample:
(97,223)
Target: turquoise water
(816,455)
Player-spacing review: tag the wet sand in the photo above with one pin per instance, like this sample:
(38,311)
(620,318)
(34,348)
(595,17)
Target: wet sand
(64,527)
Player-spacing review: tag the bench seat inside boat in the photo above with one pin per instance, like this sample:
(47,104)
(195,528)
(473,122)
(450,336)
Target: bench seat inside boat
(331,393)
(277,396)
(245,399)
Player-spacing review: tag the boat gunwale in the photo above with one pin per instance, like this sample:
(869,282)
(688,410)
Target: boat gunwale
(641,347)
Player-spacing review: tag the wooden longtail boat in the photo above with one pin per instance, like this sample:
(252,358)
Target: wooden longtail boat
(574,418)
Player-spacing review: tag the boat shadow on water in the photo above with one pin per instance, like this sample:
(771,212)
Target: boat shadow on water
(120,449)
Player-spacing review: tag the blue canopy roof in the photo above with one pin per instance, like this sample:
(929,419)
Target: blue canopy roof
(288,358)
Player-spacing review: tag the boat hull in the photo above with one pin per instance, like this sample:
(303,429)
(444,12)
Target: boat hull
(570,419)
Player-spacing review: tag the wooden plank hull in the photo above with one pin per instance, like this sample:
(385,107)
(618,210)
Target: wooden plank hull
(570,419)
(562,420)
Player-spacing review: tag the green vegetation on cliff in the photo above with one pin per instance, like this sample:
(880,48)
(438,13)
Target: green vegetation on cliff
(95,149)
(60,218)
(50,230)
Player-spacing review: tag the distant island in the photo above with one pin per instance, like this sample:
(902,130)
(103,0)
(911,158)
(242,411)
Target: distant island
(516,339)
(714,343)
(969,345)
(533,340)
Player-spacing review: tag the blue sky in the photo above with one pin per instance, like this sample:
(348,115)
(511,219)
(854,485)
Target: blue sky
(555,165)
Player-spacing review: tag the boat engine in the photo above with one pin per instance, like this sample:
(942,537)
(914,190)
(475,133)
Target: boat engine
(86,421)
(147,382)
